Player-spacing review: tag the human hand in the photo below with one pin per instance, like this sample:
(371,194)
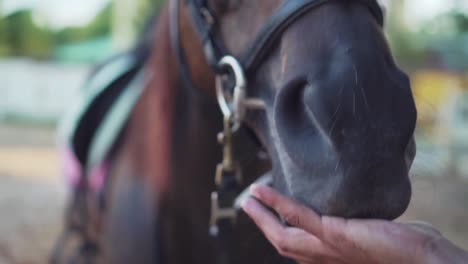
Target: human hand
(311,238)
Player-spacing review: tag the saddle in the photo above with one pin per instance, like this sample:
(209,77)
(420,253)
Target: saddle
(91,129)
(88,135)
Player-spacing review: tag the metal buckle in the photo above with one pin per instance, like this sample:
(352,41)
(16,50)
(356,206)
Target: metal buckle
(218,213)
(227,168)
(228,165)
(235,104)
(221,171)
(231,107)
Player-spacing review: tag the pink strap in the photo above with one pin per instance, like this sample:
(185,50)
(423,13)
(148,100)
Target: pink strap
(72,171)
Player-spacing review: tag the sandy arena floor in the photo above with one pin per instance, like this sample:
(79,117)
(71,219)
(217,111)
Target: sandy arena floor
(31,194)
(32,197)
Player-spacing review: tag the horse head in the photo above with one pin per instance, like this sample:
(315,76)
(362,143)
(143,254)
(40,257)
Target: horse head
(339,114)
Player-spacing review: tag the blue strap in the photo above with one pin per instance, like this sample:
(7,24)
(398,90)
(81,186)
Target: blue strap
(115,120)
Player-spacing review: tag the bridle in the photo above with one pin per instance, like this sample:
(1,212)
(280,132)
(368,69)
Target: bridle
(242,69)
(232,76)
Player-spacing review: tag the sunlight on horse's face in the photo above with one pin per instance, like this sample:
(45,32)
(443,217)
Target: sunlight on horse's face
(340,119)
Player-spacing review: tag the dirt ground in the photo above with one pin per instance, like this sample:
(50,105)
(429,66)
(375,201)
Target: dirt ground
(32,196)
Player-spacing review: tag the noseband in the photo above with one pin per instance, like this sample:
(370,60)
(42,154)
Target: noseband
(232,76)
(287,13)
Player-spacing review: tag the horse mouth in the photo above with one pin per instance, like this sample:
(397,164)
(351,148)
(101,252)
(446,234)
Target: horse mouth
(358,194)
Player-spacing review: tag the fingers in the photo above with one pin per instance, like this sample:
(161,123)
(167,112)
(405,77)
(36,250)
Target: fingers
(264,219)
(295,214)
(289,241)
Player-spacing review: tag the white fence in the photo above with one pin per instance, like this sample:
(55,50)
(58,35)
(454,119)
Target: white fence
(38,91)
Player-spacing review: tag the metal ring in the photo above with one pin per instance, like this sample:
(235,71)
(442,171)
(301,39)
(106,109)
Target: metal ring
(234,107)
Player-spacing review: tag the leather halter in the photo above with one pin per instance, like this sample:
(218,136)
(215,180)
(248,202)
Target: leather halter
(243,68)
(286,14)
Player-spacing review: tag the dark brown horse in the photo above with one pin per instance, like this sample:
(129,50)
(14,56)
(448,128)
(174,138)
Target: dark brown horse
(337,129)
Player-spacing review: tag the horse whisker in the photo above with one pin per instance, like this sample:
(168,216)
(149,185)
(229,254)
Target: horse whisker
(360,87)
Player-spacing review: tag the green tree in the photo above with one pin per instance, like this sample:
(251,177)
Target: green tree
(24,38)
(446,36)
(4,47)
(406,45)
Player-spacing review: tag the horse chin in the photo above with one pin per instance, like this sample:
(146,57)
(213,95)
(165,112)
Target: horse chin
(334,196)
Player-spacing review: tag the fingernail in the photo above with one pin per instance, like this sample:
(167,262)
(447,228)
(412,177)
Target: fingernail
(254,190)
(246,205)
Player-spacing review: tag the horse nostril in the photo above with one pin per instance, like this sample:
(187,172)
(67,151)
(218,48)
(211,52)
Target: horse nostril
(288,104)
(296,127)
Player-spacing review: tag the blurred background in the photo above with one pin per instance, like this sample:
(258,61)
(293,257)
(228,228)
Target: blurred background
(47,48)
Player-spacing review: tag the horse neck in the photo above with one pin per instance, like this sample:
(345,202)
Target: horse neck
(170,148)
(179,151)
(171,145)
(173,130)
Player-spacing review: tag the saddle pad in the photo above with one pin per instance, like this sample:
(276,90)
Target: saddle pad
(96,119)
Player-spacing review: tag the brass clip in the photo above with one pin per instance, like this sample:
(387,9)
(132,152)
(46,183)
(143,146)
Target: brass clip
(218,213)
(226,172)
(228,165)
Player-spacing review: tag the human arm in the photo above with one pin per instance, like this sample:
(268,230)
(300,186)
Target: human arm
(310,238)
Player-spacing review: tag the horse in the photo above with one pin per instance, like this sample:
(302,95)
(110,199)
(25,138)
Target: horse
(316,101)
